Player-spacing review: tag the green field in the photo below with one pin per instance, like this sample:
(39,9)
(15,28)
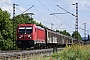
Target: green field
(39,58)
(74,52)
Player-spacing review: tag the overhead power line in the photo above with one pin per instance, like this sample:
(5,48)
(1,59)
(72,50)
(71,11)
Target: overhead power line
(17,8)
(10,5)
(44,5)
(57,27)
(66,10)
(50,11)
(41,15)
(28,9)
(6,3)
(76,27)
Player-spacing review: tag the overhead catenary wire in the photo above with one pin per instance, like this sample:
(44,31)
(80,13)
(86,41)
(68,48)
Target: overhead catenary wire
(41,15)
(46,7)
(18,5)
(65,10)
(58,10)
(61,8)
(10,5)
(6,3)
(69,13)
(28,9)
(48,1)
(51,11)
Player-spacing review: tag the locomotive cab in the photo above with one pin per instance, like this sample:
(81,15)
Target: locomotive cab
(25,33)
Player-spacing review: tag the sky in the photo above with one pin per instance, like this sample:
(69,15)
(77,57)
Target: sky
(43,8)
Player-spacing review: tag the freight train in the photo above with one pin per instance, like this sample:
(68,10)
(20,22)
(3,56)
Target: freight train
(30,35)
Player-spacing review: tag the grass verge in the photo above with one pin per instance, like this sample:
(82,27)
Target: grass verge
(74,52)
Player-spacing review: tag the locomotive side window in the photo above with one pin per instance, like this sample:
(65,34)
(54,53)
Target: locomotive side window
(21,30)
(28,30)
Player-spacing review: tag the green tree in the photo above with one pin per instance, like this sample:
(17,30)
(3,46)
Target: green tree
(57,30)
(1,41)
(63,32)
(5,29)
(22,19)
(74,35)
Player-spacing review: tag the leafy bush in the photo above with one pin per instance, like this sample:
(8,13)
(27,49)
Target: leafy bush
(74,52)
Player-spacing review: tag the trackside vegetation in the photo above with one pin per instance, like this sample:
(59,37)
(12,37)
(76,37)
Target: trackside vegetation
(74,52)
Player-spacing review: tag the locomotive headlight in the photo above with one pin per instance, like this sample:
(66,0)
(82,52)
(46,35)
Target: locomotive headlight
(29,36)
(20,36)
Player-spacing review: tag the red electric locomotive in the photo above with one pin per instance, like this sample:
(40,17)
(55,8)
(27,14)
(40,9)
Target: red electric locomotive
(30,35)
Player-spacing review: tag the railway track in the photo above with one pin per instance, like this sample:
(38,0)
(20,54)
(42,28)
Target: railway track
(18,54)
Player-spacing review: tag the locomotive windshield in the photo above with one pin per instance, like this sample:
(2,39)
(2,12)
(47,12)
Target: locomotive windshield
(21,30)
(28,30)
(25,30)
